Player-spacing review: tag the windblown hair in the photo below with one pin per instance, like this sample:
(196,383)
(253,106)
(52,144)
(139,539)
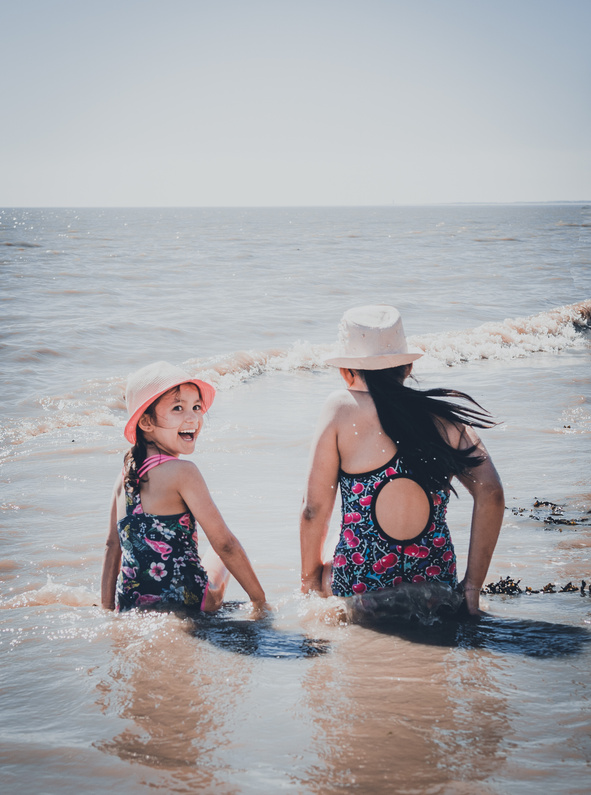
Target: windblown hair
(409,417)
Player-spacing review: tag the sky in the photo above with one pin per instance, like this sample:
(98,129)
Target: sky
(229,103)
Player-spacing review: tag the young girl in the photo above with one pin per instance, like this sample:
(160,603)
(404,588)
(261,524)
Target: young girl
(393,451)
(151,557)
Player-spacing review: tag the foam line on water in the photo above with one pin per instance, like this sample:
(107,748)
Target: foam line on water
(101,402)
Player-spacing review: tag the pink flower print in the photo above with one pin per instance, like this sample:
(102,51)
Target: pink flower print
(185,520)
(138,509)
(365,501)
(178,562)
(389,560)
(357,558)
(396,580)
(359,587)
(436,499)
(447,555)
(439,541)
(389,472)
(147,599)
(160,547)
(339,560)
(418,578)
(357,488)
(157,571)
(432,571)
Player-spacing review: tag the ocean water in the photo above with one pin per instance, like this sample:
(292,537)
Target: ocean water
(499,297)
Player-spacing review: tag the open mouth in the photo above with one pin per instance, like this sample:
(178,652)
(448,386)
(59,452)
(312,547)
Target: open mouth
(187,436)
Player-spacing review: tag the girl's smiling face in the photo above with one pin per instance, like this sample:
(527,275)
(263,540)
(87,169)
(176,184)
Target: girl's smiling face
(176,421)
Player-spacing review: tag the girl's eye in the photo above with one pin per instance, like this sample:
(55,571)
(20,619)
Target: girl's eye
(197,407)
(177,408)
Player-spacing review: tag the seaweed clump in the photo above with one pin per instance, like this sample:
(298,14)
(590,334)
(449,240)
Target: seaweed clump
(510,587)
(555,515)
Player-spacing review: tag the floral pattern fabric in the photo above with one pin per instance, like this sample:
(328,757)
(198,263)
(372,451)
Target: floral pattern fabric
(367,559)
(160,565)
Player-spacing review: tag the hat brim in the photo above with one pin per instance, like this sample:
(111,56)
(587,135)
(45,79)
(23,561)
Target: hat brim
(374,362)
(206,390)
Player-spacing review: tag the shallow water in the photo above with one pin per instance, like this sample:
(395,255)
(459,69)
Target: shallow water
(302,702)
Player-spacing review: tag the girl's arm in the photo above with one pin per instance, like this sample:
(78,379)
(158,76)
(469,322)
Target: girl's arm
(485,486)
(193,490)
(112,557)
(319,499)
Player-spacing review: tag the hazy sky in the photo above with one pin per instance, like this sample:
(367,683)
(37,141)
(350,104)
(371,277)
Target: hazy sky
(294,102)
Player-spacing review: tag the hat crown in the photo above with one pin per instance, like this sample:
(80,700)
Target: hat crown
(374,330)
(151,381)
(144,386)
(372,338)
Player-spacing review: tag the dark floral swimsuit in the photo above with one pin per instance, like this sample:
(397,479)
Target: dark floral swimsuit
(367,559)
(160,565)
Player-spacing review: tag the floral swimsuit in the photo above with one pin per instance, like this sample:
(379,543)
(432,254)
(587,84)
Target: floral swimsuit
(367,559)
(160,565)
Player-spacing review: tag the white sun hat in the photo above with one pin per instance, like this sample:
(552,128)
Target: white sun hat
(372,338)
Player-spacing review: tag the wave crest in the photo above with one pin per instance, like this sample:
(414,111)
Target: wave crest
(101,402)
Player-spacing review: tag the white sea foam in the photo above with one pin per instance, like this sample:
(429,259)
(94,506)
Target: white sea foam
(99,402)
(53,593)
(547,332)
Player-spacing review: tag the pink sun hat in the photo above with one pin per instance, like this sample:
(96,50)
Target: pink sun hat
(149,383)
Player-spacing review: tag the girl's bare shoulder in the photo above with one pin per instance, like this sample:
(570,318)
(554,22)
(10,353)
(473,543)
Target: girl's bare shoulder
(338,404)
(180,469)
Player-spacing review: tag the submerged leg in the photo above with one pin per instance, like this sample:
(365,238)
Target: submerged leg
(326,579)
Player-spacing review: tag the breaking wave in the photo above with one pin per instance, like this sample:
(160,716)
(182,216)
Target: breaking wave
(101,402)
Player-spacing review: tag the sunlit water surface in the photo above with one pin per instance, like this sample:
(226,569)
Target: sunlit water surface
(304,701)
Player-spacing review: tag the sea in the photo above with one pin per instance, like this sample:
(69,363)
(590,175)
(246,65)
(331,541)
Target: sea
(307,700)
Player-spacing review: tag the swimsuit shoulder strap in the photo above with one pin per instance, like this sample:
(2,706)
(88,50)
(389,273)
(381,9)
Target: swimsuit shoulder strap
(153,461)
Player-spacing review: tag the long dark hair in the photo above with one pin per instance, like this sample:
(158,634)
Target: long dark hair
(409,417)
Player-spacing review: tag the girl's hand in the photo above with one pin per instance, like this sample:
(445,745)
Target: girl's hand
(472,599)
(260,610)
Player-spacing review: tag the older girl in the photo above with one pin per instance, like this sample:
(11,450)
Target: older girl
(394,451)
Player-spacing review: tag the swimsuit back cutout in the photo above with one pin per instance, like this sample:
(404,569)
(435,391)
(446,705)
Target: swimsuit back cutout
(153,461)
(367,559)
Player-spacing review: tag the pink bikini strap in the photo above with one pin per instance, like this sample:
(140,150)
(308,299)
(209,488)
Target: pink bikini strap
(153,461)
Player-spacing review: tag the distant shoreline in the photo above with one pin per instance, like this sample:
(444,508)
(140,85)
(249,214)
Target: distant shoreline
(568,202)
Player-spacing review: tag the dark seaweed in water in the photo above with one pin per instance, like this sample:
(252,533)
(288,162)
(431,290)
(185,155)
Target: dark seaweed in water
(555,515)
(511,587)
(253,638)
